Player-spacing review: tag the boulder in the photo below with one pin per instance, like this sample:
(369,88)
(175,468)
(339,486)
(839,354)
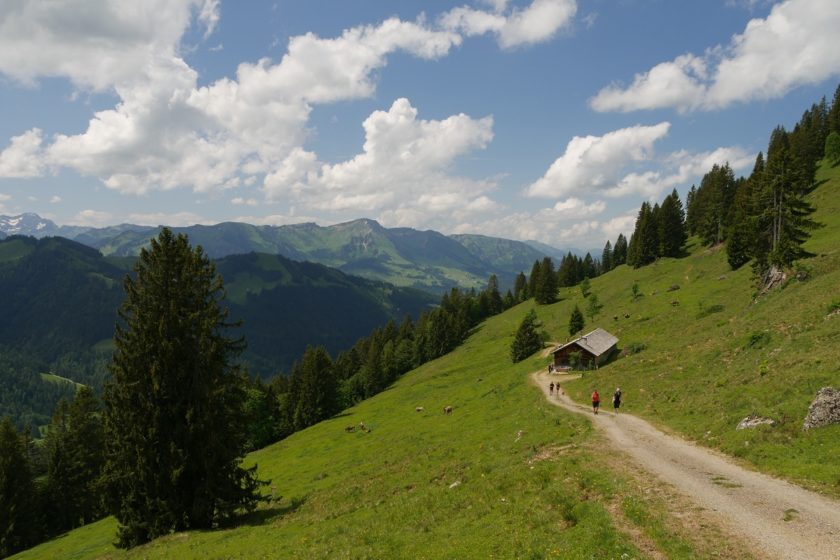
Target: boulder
(753,421)
(825,410)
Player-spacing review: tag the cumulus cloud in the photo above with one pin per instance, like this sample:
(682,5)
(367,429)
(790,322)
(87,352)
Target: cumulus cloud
(92,218)
(5,197)
(23,157)
(536,23)
(174,219)
(55,199)
(167,133)
(404,165)
(593,163)
(796,44)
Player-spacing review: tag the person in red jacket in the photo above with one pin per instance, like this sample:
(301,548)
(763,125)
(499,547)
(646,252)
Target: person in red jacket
(596,401)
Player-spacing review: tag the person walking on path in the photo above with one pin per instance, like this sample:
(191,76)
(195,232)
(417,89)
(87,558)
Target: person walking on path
(617,399)
(596,401)
(551,388)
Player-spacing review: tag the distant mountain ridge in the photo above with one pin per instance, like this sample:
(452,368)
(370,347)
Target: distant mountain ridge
(60,301)
(405,257)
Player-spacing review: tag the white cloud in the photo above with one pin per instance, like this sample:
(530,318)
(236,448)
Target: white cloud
(55,199)
(593,163)
(796,44)
(23,158)
(5,197)
(404,165)
(167,133)
(516,27)
(239,201)
(174,219)
(92,218)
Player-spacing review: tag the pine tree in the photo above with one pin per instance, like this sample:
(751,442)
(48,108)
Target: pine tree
(527,339)
(520,288)
(620,251)
(75,457)
(576,322)
(494,298)
(545,290)
(174,427)
(534,278)
(607,258)
(18,518)
(833,118)
(832,148)
(585,286)
(593,306)
(741,238)
(672,231)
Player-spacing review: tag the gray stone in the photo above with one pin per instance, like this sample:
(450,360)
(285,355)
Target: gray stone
(753,421)
(825,410)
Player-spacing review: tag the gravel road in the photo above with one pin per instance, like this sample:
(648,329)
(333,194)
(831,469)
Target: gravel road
(780,520)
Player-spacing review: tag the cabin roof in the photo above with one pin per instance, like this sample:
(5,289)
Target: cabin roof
(596,342)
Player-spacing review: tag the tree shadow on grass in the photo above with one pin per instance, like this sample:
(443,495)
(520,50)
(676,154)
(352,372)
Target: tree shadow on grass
(262,516)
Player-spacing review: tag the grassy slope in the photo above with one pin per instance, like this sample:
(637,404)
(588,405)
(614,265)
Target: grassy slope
(389,493)
(702,372)
(386,494)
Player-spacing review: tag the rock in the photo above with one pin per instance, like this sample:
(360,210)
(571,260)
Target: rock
(825,410)
(753,421)
(455,484)
(723,277)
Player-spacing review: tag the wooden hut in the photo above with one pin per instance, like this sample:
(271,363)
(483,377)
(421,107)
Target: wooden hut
(594,348)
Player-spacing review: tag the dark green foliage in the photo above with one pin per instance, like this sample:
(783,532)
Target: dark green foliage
(741,237)
(174,427)
(75,457)
(644,243)
(527,339)
(576,322)
(832,148)
(620,251)
(490,300)
(672,230)
(636,291)
(757,339)
(18,514)
(520,288)
(833,118)
(607,258)
(545,286)
(711,203)
(24,396)
(710,310)
(313,386)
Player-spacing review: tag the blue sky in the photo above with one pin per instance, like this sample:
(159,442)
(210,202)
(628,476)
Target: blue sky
(528,119)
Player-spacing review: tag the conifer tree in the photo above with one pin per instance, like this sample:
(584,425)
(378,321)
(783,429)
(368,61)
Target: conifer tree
(576,322)
(494,298)
(545,289)
(607,258)
(672,231)
(75,457)
(620,251)
(534,278)
(585,286)
(18,518)
(520,288)
(174,426)
(832,148)
(833,118)
(593,306)
(741,238)
(527,339)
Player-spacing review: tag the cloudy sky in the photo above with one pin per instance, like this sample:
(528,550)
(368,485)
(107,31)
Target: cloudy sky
(528,119)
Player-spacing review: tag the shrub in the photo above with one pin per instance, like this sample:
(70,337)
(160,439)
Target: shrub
(757,339)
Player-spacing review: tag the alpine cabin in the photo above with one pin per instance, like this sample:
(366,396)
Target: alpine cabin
(592,350)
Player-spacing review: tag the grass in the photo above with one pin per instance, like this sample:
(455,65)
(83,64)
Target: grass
(720,354)
(506,475)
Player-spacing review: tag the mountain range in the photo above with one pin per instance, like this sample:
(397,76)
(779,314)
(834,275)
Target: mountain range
(404,257)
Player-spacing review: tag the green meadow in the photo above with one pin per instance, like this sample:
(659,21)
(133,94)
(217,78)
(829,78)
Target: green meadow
(507,475)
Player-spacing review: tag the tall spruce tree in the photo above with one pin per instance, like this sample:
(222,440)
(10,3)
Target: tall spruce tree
(741,238)
(620,251)
(833,118)
(174,422)
(18,515)
(607,258)
(520,288)
(75,457)
(527,339)
(545,288)
(672,231)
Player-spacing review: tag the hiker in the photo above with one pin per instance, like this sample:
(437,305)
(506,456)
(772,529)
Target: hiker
(617,399)
(596,401)
(551,388)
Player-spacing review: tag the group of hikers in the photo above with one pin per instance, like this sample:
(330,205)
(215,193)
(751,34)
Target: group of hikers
(596,398)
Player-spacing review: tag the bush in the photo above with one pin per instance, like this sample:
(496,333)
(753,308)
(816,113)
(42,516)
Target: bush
(757,339)
(711,310)
(832,148)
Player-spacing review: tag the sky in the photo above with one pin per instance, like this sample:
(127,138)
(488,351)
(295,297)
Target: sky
(550,120)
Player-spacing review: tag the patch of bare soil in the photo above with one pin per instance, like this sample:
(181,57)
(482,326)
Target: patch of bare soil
(755,509)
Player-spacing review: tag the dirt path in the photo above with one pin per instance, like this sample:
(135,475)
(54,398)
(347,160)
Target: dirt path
(779,519)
